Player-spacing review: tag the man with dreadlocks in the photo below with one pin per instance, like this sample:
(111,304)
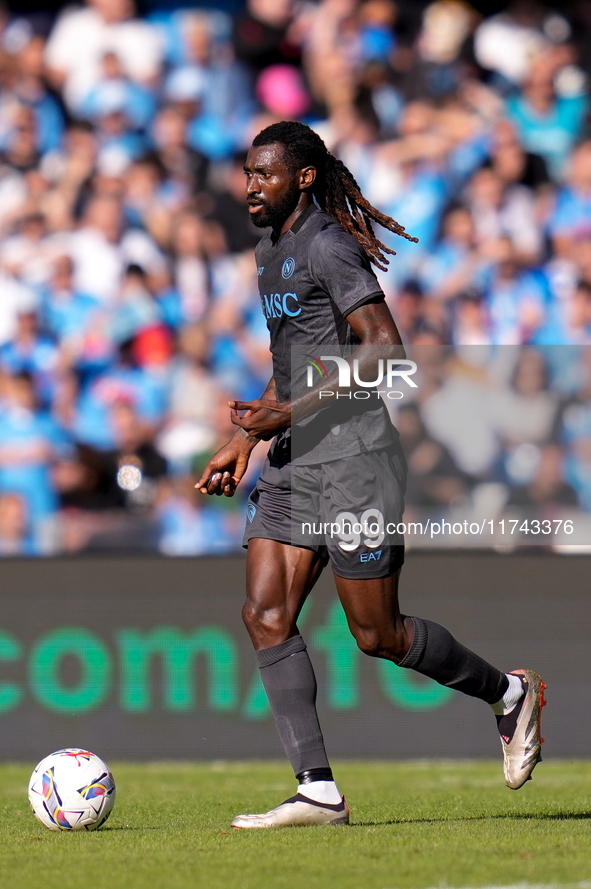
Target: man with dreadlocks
(317,286)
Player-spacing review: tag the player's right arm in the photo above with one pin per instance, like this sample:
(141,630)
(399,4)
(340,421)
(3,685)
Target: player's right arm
(224,471)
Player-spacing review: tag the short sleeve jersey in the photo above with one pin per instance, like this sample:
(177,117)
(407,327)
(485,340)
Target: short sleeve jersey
(310,279)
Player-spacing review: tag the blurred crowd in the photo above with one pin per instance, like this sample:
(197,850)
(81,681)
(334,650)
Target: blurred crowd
(129,309)
(500,433)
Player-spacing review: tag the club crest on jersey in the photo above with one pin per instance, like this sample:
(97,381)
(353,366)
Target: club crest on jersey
(288,267)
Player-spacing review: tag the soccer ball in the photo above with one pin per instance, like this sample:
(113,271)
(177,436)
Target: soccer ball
(72,789)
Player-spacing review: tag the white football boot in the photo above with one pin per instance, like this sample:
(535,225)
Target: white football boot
(522,749)
(298,810)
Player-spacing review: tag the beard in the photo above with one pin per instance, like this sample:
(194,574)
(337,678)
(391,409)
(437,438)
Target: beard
(275,214)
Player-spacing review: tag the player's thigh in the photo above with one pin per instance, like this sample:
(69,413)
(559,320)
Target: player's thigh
(373,613)
(362,507)
(279,577)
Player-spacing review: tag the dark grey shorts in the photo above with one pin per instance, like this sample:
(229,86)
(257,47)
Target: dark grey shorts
(347,510)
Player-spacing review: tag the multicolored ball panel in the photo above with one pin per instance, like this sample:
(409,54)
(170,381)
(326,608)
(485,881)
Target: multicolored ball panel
(72,789)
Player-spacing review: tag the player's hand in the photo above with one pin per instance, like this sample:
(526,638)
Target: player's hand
(263,418)
(224,471)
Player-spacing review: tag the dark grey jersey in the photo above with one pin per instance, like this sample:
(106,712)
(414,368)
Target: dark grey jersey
(310,279)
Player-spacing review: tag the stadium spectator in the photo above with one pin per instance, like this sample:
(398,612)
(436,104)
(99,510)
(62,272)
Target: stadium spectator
(456,412)
(187,528)
(571,218)
(81,38)
(469,321)
(31,90)
(579,321)
(185,168)
(74,319)
(505,42)
(15,538)
(512,163)
(548,124)
(135,462)
(28,253)
(407,306)
(34,353)
(433,478)
(524,414)
(515,297)
(547,488)
(452,263)
(189,266)
(115,93)
(261,35)
(123,381)
(194,395)
(29,442)
(103,247)
(500,211)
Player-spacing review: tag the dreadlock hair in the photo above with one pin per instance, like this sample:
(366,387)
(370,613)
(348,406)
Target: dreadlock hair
(334,188)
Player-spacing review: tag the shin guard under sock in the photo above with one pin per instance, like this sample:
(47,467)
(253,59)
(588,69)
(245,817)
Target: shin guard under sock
(435,653)
(290,683)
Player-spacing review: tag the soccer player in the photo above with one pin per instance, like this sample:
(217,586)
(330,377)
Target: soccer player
(317,287)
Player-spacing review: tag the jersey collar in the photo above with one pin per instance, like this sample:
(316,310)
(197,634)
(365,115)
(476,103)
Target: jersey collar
(300,221)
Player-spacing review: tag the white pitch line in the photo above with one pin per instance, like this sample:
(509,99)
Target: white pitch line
(584,885)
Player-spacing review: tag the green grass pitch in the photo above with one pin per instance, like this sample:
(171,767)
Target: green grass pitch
(414,825)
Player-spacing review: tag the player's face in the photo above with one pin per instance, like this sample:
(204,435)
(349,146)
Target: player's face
(272,189)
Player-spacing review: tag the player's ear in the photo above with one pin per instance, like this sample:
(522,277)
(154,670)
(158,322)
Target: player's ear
(307,177)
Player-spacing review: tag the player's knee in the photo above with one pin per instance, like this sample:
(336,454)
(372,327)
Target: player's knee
(368,641)
(375,643)
(251,614)
(265,622)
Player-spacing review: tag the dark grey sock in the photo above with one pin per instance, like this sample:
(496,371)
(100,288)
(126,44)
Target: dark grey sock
(435,653)
(290,683)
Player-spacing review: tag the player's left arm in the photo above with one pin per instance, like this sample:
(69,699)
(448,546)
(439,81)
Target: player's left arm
(375,327)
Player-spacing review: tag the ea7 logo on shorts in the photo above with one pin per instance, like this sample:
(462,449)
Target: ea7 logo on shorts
(371,557)
(288,267)
(251,511)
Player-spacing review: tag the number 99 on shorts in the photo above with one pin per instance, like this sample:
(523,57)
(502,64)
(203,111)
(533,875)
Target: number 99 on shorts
(352,530)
